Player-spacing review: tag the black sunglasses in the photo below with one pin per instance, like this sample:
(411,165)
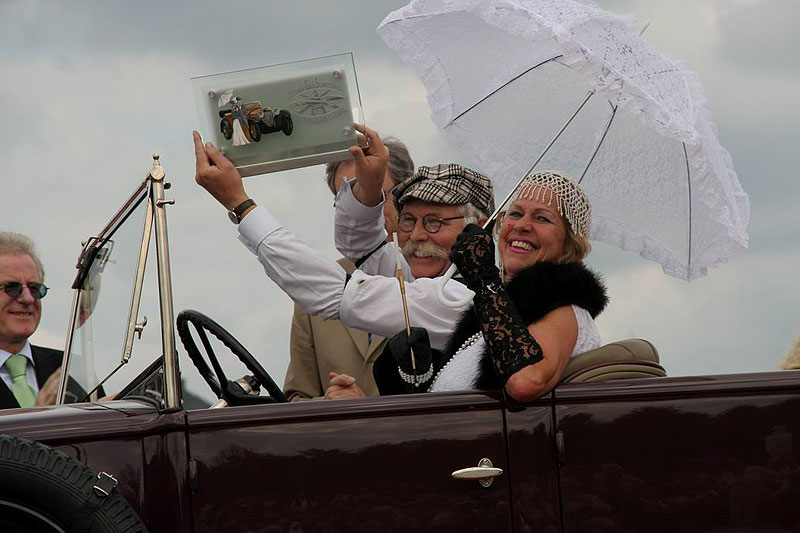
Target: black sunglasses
(14,289)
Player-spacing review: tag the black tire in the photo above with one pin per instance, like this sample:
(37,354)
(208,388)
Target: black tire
(288,125)
(255,131)
(226,128)
(44,490)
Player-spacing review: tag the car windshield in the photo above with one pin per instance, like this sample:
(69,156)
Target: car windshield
(102,319)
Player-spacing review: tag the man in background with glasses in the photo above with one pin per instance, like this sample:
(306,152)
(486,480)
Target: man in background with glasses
(318,347)
(30,374)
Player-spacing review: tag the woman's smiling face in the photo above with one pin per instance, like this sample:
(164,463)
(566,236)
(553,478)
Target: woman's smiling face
(531,231)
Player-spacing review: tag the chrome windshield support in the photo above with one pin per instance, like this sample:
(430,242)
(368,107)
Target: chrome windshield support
(96,250)
(171,385)
(62,382)
(133,314)
(88,255)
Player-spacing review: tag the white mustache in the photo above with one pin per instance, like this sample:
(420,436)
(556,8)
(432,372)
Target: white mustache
(424,249)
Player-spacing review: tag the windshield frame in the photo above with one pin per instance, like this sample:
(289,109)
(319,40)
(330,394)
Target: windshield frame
(151,190)
(88,256)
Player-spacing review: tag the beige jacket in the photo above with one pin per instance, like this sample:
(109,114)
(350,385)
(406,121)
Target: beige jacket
(319,346)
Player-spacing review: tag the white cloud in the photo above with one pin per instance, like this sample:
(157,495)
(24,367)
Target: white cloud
(89,98)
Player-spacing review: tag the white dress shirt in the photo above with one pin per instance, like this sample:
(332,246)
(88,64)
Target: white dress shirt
(368,302)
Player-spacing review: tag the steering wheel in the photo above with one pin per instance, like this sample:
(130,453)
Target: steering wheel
(220,385)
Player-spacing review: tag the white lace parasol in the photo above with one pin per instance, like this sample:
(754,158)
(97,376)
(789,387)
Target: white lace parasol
(502,76)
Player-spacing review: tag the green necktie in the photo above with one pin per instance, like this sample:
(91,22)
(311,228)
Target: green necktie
(23,392)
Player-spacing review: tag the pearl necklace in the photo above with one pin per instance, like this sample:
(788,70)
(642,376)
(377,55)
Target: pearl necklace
(467,343)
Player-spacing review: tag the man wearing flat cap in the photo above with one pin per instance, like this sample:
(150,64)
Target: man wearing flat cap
(436,203)
(445,195)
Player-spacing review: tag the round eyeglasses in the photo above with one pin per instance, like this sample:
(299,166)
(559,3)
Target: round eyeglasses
(431,223)
(14,289)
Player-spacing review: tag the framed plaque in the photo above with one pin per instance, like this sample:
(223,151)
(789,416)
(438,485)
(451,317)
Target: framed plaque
(281,116)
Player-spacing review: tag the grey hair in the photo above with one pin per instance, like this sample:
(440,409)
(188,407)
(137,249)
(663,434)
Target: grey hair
(17,243)
(401,166)
(469,211)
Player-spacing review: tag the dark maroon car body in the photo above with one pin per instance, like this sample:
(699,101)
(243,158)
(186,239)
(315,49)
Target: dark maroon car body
(662,454)
(709,453)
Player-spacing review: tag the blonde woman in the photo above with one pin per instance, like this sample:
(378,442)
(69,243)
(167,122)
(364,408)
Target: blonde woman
(530,316)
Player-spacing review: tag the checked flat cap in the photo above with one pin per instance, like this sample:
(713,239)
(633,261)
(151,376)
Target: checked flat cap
(446,184)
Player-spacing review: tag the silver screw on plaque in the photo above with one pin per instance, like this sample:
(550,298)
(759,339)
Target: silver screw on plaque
(212,94)
(336,74)
(347,130)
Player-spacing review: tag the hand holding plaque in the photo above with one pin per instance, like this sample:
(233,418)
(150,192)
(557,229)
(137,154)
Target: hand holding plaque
(371,159)
(281,116)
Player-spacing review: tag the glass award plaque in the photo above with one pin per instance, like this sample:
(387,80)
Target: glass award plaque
(281,116)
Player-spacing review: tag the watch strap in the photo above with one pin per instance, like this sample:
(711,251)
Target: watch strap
(236,213)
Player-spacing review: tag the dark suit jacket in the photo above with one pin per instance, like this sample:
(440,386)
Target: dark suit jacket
(46,361)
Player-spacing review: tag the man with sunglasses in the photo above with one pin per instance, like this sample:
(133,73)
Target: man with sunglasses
(29,373)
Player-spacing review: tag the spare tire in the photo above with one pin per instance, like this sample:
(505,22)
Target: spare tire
(45,490)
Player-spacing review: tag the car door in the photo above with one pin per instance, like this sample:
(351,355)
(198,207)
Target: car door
(681,454)
(533,464)
(371,464)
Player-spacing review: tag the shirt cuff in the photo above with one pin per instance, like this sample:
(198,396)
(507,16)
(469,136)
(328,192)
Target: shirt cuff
(257,226)
(347,201)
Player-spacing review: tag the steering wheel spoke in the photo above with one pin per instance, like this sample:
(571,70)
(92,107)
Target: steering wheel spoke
(201,332)
(219,383)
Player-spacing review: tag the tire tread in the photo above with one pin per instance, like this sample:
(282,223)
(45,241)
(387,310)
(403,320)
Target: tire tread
(57,486)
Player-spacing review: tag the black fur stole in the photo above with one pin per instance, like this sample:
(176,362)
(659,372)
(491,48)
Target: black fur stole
(535,291)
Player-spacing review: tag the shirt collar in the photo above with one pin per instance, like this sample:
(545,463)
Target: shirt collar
(26,351)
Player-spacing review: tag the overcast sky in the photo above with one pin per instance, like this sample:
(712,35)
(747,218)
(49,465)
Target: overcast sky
(92,88)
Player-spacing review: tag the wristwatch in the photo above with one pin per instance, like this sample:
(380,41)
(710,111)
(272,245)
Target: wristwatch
(236,213)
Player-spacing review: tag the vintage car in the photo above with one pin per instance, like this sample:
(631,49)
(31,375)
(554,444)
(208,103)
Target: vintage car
(615,447)
(260,120)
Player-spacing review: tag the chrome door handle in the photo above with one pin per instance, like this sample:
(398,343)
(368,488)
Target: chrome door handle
(484,473)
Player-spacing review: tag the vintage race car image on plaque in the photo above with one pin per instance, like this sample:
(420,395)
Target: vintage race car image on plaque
(281,116)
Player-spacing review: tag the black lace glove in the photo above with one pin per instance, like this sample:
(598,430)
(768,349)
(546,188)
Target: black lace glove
(510,344)
(473,255)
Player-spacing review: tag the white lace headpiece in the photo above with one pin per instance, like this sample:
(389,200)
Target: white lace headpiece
(571,202)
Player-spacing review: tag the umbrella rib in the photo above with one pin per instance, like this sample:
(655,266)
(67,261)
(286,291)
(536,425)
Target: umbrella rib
(599,144)
(689,186)
(515,78)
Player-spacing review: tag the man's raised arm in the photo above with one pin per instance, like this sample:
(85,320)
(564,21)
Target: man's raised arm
(359,223)
(307,276)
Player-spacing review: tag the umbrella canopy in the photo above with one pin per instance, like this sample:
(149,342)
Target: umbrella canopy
(502,76)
